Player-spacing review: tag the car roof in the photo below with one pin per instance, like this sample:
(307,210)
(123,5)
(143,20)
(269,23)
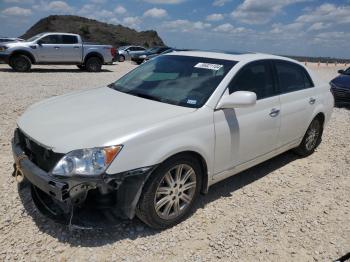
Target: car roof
(244,57)
(57,33)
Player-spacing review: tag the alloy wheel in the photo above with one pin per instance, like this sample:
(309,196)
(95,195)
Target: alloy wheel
(312,135)
(175,192)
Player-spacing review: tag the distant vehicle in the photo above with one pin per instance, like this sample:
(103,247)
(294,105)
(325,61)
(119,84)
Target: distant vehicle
(126,52)
(139,58)
(152,141)
(340,87)
(56,48)
(165,52)
(10,39)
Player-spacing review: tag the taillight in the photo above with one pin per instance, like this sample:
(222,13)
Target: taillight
(113,51)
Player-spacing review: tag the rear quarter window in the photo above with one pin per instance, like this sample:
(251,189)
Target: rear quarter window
(292,77)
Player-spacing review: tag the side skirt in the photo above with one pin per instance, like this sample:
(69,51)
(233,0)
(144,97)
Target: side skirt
(237,169)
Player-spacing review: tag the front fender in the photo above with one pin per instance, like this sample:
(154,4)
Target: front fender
(194,132)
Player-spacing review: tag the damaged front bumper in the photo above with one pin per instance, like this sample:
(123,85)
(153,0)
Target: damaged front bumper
(119,192)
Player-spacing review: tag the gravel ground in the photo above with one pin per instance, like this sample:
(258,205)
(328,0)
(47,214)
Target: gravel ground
(286,209)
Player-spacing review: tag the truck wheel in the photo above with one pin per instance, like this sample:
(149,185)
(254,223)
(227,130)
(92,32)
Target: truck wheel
(170,193)
(121,58)
(81,67)
(93,64)
(311,139)
(20,63)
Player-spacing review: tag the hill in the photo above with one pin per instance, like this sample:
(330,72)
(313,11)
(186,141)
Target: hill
(94,31)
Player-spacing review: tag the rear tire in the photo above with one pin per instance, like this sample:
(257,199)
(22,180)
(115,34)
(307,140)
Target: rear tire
(167,201)
(93,64)
(20,63)
(311,139)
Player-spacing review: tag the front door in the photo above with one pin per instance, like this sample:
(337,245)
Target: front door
(48,50)
(243,134)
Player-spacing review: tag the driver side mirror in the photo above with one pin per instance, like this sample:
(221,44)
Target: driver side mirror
(237,99)
(40,42)
(341,72)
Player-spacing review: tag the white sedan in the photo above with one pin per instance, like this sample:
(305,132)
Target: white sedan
(151,142)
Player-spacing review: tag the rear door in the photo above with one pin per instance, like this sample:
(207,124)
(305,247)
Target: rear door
(71,49)
(298,100)
(243,134)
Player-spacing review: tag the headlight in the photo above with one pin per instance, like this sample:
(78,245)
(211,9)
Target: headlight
(3,48)
(86,162)
(143,56)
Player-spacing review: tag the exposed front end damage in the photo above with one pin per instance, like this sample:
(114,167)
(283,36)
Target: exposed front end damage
(58,197)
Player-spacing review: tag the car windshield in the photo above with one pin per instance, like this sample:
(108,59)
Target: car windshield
(179,80)
(123,47)
(152,50)
(35,37)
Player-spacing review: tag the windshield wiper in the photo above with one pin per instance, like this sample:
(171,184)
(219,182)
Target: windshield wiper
(121,89)
(146,96)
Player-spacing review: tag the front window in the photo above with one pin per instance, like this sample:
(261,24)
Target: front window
(179,80)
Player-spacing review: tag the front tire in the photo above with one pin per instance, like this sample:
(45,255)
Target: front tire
(171,192)
(81,67)
(121,58)
(93,64)
(20,63)
(311,139)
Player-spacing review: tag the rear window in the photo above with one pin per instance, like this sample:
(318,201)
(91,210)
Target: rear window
(255,77)
(292,77)
(69,39)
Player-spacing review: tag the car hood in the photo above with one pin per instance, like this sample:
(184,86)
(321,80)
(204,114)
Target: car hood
(17,44)
(93,118)
(342,81)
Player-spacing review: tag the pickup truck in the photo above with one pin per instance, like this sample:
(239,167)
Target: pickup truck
(56,48)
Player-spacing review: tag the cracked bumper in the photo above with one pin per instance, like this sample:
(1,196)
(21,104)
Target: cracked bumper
(122,190)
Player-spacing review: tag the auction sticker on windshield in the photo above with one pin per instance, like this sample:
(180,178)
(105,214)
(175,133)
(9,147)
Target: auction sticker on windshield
(215,67)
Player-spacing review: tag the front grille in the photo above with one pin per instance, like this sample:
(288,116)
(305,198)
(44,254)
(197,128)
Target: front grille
(44,158)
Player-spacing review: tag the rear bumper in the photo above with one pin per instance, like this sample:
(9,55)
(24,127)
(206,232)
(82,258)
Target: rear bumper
(124,188)
(137,60)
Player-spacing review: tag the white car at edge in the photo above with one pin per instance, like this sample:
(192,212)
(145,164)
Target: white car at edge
(149,143)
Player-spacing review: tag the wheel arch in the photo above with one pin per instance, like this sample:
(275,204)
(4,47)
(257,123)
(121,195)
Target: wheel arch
(24,52)
(94,54)
(203,164)
(318,114)
(322,117)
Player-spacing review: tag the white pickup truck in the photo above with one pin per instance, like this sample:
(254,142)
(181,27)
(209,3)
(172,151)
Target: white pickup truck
(56,48)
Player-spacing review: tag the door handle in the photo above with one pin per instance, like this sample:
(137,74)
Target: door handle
(76,47)
(56,47)
(274,112)
(312,101)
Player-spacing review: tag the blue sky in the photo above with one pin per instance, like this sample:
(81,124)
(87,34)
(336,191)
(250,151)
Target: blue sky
(295,27)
